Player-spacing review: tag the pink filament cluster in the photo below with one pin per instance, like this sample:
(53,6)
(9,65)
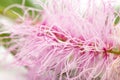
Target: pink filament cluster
(67,45)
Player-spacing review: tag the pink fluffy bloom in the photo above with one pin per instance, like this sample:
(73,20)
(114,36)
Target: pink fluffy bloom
(70,45)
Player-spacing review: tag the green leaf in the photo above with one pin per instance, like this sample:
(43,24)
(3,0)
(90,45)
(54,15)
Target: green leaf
(6,40)
(4,34)
(117,20)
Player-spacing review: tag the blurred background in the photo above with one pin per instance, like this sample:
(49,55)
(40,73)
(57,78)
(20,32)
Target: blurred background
(8,16)
(7,19)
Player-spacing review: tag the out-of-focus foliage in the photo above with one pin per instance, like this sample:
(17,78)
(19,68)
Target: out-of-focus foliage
(9,13)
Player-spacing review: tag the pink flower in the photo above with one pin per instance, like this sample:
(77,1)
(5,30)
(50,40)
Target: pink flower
(67,45)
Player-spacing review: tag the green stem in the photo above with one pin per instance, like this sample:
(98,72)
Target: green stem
(114,51)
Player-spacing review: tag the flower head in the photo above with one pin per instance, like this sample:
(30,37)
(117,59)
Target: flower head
(68,45)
